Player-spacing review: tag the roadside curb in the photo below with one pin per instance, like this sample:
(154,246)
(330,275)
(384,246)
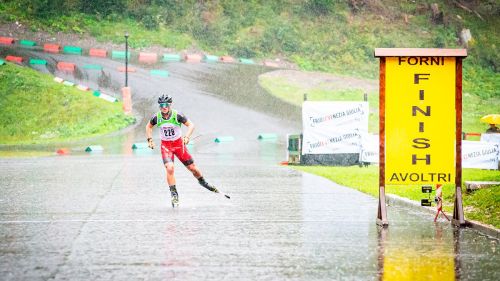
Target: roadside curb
(395,200)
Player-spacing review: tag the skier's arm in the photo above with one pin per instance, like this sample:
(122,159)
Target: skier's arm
(149,135)
(190,129)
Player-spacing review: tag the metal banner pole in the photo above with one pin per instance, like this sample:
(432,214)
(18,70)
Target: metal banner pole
(382,211)
(458,211)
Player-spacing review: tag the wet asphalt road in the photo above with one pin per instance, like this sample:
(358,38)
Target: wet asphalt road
(107,216)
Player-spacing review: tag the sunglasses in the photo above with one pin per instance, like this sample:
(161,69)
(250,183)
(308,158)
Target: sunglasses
(164,105)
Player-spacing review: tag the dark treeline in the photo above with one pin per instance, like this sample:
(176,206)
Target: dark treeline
(211,22)
(166,10)
(163,11)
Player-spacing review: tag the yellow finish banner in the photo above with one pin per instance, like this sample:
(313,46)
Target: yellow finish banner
(420,120)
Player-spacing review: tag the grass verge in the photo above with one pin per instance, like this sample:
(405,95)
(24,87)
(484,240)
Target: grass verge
(35,109)
(482,205)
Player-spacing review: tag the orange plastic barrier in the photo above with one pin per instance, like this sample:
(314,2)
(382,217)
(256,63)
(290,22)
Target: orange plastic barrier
(66,66)
(148,57)
(127,100)
(226,59)
(100,53)
(271,64)
(193,58)
(466,135)
(6,40)
(14,59)
(129,69)
(51,48)
(82,88)
(63,151)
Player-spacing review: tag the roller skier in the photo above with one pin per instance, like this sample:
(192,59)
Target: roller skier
(169,122)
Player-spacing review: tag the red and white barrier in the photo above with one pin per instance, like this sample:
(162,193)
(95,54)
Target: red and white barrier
(127,100)
(227,59)
(14,59)
(271,64)
(58,79)
(100,53)
(129,69)
(6,40)
(82,87)
(63,151)
(51,48)
(193,58)
(66,66)
(148,57)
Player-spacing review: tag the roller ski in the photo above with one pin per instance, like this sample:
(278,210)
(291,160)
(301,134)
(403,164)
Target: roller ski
(175,196)
(211,187)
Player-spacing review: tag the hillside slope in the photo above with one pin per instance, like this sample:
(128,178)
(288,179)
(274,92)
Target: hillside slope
(35,109)
(330,36)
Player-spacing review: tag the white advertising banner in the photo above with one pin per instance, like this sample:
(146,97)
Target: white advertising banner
(475,154)
(491,137)
(333,127)
(369,149)
(480,155)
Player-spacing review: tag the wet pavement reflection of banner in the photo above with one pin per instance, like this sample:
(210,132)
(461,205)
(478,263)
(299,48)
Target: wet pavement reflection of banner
(433,258)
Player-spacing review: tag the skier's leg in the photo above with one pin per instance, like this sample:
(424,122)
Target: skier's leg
(197,174)
(169,166)
(168,160)
(184,156)
(171,183)
(174,194)
(206,185)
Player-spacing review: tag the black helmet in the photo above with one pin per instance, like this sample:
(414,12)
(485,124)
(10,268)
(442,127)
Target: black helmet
(165,99)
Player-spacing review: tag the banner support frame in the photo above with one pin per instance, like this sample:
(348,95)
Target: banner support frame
(459,54)
(458,211)
(382,210)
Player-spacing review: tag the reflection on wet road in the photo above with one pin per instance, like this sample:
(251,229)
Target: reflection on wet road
(102,216)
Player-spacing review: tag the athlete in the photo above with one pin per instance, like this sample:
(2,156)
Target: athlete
(169,122)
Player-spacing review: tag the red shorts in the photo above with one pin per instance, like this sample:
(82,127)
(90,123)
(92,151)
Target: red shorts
(177,148)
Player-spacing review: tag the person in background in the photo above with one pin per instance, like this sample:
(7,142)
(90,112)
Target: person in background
(493,129)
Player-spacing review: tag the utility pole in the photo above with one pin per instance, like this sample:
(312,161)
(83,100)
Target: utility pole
(126,59)
(126,93)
